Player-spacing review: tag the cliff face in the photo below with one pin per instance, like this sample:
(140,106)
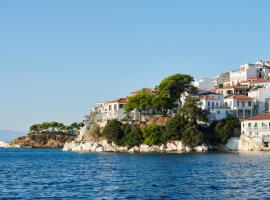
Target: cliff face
(44,140)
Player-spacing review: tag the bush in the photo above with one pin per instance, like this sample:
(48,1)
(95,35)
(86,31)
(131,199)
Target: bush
(113,132)
(133,136)
(152,134)
(192,136)
(122,134)
(221,131)
(174,128)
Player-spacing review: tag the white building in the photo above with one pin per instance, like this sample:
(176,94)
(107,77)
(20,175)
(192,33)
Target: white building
(204,84)
(110,110)
(261,99)
(241,106)
(263,69)
(247,71)
(257,128)
(214,104)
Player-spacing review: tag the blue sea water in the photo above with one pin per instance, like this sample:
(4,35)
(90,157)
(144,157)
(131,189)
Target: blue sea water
(53,174)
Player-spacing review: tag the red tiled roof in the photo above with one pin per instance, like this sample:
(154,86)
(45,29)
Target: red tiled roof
(265,116)
(120,100)
(239,97)
(210,98)
(147,90)
(229,87)
(256,80)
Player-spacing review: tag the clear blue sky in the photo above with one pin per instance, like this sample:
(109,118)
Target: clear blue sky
(58,58)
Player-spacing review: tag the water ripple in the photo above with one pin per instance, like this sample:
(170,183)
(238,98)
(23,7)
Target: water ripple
(52,174)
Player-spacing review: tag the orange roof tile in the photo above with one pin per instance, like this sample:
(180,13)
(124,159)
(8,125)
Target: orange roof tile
(147,90)
(210,98)
(120,100)
(265,116)
(239,97)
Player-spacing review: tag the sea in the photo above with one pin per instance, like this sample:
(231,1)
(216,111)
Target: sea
(53,174)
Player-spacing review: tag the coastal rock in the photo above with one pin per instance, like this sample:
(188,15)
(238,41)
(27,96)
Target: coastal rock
(144,148)
(105,146)
(134,150)
(123,149)
(171,147)
(100,149)
(202,148)
(176,146)
(4,145)
(188,149)
(247,143)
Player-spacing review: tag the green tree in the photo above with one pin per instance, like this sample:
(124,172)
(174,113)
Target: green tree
(192,111)
(133,136)
(113,132)
(174,85)
(142,102)
(221,131)
(163,103)
(174,128)
(192,135)
(152,134)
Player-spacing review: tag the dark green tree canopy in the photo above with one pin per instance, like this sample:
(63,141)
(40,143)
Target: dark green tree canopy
(174,85)
(142,101)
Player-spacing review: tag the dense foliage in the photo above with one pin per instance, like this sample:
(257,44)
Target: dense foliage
(122,134)
(55,127)
(220,132)
(189,125)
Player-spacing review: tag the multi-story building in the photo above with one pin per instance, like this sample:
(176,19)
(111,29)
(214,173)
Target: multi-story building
(110,110)
(231,90)
(204,84)
(257,128)
(261,99)
(241,106)
(221,78)
(247,71)
(214,104)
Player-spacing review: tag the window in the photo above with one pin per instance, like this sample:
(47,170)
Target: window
(121,106)
(115,107)
(209,104)
(249,125)
(243,125)
(226,104)
(218,112)
(110,107)
(255,125)
(213,104)
(238,103)
(243,104)
(216,104)
(249,103)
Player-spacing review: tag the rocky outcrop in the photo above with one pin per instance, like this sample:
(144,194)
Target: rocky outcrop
(105,146)
(247,143)
(7,145)
(44,140)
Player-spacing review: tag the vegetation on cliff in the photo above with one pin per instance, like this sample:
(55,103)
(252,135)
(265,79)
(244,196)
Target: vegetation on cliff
(48,135)
(189,125)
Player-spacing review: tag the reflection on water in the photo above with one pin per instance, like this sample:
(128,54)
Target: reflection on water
(33,173)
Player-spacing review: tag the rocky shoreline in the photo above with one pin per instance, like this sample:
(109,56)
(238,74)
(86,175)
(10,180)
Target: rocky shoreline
(7,145)
(105,146)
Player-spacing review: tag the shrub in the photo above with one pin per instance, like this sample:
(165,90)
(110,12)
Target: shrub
(221,131)
(152,134)
(133,136)
(113,132)
(192,135)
